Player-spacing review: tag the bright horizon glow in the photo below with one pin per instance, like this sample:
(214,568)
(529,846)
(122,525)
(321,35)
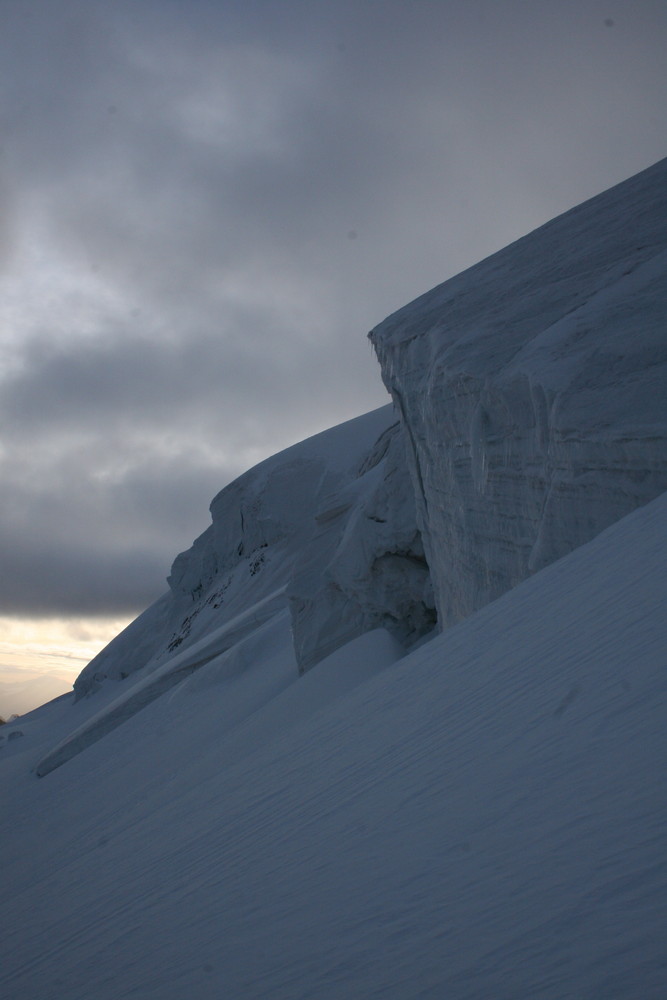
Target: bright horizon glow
(41,658)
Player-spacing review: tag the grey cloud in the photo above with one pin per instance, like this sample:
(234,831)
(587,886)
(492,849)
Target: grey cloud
(191,389)
(99,544)
(201,168)
(93,580)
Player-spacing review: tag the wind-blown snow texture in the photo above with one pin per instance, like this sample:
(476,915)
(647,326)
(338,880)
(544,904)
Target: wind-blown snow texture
(479,814)
(533,388)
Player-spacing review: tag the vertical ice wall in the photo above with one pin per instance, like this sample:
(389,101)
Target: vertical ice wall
(533,393)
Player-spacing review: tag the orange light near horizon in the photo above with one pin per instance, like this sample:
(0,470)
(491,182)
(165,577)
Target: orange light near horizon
(42,657)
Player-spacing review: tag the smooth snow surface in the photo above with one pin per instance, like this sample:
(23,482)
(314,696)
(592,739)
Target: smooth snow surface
(483,818)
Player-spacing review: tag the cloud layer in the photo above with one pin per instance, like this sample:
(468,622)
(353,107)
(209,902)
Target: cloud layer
(205,207)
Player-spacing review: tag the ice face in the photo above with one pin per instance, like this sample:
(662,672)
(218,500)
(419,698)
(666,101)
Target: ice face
(532,393)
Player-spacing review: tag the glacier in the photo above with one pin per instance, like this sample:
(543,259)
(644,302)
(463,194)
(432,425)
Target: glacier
(397,727)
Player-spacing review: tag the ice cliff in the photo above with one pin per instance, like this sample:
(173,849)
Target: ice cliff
(532,390)
(529,414)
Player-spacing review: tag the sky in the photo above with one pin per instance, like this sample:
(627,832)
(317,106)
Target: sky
(205,206)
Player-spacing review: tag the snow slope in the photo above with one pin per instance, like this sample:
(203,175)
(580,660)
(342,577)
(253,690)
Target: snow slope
(533,391)
(484,817)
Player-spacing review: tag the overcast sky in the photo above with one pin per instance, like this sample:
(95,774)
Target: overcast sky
(207,205)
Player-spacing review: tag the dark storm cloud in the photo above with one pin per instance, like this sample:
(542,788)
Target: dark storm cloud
(207,206)
(137,383)
(91,540)
(86,580)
